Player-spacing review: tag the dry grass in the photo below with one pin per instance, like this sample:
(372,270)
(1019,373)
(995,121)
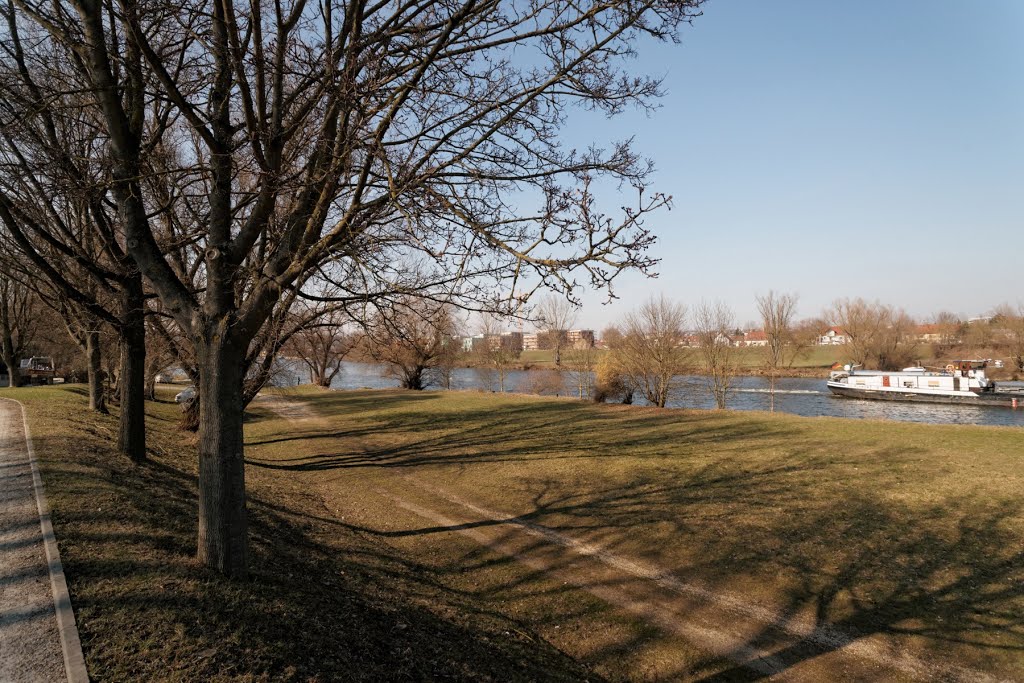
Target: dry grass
(322,605)
(369,564)
(907,536)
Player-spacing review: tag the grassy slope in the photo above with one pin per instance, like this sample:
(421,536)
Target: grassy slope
(904,532)
(323,604)
(909,532)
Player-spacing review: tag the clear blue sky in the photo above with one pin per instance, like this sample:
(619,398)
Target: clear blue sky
(835,149)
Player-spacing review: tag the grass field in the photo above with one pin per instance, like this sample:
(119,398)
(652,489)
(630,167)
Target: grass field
(323,603)
(470,536)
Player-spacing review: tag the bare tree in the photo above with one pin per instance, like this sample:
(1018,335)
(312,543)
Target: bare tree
(555,315)
(1011,321)
(713,323)
(160,356)
(650,352)
(806,334)
(950,330)
(53,212)
(498,351)
(352,134)
(611,383)
(19,309)
(544,382)
(581,361)
(777,312)
(411,339)
(451,356)
(878,335)
(322,346)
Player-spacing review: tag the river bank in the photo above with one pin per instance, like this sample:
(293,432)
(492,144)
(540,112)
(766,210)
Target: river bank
(806,396)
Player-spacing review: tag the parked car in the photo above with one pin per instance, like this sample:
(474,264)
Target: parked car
(185,395)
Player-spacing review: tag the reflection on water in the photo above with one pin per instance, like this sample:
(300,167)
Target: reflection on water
(800,396)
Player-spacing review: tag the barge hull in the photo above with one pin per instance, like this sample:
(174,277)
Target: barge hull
(998,399)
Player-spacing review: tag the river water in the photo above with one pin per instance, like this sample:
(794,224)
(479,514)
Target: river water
(800,396)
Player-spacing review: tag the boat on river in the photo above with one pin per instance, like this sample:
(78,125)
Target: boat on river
(961,382)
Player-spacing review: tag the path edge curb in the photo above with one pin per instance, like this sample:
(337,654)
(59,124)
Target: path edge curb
(70,643)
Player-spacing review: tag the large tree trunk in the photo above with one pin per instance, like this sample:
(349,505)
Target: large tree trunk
(223,541)
(131,381)
(94,361)
(12,369)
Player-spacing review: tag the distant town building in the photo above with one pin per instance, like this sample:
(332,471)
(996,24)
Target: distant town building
(751,338)
(531,341)
(513,341)
(689,339)
(833,336)
(930,333)
(580,339)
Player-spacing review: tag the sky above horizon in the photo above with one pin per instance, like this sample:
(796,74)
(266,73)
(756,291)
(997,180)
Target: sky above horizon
(833,150)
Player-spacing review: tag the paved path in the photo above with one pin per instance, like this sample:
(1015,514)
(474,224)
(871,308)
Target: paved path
(30,648)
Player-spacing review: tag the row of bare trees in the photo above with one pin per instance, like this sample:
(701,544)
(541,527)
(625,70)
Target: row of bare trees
(198,172)
(651,350)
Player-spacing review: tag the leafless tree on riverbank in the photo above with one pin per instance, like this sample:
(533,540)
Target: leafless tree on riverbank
(581,362)
(366,135)
(649,354)
(495,354)
(878,335)
(411,338)
(1011,322)
(322,344)
(777,312)
(713,324)
(555,317)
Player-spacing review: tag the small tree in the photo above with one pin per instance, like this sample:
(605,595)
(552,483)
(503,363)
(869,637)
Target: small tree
(322,345)
(649,354)
(159,356)
(950,330)
(411,338)
(878,335)
(712,324)
(555,316)
(448,361)
(498,352)
(582,363)
(777,321)
(547,382)
(610,382)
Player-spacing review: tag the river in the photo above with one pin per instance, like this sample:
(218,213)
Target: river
(799,396)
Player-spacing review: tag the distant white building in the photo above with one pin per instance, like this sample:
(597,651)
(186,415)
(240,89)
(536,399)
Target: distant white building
(833,336)
(751,338)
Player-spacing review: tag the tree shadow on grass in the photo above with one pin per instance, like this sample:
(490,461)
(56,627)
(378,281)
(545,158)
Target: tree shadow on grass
(310,611)
(892,590)
(520,430)
(908,587)
(333,600)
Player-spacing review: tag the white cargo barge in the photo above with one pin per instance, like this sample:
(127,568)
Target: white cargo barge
(961,382)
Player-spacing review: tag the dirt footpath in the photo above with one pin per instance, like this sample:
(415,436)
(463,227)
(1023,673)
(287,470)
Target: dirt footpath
(29,642)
